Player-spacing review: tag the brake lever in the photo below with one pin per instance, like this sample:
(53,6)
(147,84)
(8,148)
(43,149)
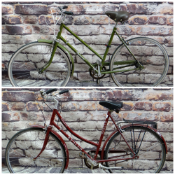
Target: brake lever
(42,92)
(60,9)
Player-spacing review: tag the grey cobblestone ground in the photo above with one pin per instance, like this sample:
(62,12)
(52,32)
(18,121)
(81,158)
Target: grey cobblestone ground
(81,170)
(69,170)
(6,83)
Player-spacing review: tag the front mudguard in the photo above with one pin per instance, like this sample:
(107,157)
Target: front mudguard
(63,49)
(125,126)
(59,138)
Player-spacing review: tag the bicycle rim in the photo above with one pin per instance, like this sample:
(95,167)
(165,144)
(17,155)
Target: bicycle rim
(152,57)
(26,62)
(26,145)
(145,142)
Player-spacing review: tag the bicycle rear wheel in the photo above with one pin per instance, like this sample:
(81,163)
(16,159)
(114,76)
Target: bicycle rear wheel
(25,63)
(26,145)
(152,56)
(146,144)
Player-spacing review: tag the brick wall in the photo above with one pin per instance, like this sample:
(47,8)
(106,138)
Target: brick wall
(82,112)
(23,22)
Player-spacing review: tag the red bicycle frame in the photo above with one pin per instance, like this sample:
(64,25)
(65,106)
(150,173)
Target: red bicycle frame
(52,123)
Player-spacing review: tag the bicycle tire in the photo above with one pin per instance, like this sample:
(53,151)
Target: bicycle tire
(21,150)
(24,65)
(155,62)
(146,163)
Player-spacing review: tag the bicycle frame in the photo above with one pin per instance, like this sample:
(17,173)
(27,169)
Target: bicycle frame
(98,145)
(92,66)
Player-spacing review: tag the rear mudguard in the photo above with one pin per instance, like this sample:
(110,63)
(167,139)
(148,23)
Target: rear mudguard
(123,127)
(63,49)
(61,140)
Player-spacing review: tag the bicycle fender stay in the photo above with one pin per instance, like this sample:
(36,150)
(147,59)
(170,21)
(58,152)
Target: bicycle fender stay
(126,126)
(62,48)
(59,138)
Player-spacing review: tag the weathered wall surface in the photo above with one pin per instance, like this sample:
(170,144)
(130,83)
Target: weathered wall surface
(82,112)
(24,22)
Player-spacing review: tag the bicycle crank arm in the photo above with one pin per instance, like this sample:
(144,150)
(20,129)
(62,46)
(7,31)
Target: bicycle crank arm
(104,167)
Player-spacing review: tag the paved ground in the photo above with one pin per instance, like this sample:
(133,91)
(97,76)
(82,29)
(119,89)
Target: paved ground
(6,83)
(81,170)
(69,170)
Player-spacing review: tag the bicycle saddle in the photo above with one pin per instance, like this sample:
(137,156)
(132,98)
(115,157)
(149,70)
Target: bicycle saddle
(111,105)
(118,16)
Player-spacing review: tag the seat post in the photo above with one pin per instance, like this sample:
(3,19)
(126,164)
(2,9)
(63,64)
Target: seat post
(109,112)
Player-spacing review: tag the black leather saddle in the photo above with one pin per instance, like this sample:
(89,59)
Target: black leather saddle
(118,16)
(112,105)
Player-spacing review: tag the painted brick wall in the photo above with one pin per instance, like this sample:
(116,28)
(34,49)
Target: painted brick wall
(82,112)
(23,22)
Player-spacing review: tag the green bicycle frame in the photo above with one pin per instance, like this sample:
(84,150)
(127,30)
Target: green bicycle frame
(103,63)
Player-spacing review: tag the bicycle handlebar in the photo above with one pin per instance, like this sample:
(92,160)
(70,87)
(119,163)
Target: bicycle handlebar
(65,12)
(45,95)
(53,90)
(65,7)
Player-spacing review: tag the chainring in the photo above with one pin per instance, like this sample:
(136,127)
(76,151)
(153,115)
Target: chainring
(88,164)
(94,74)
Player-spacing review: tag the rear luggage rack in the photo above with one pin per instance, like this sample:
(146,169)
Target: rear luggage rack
(154,124)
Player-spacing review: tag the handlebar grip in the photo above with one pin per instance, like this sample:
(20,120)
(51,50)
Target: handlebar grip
(68,13)
(65,7)
(64,91)
(50,90)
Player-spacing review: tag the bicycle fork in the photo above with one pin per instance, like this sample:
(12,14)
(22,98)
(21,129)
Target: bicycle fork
(45,141)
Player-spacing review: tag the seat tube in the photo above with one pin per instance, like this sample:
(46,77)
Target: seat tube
(109,44)
(102,134)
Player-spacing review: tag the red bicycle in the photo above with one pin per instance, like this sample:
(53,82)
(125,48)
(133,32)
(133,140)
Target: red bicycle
(131,148)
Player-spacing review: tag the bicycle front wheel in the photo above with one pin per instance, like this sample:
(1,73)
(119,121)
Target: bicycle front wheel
(26,145)
(152,56)
(145,143)
(26,62)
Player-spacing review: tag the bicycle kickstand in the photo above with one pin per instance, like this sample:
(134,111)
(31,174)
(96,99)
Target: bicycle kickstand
(98,81)
(99,73)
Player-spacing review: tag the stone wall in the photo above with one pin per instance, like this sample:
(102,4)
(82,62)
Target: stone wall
(24,22)
(82,112)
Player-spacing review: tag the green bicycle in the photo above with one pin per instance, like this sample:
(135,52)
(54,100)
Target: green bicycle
(139,61)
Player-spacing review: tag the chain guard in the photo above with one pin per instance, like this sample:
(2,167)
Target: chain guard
(94,75)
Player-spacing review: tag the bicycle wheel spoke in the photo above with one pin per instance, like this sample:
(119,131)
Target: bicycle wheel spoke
(151,68)
(27,146)
(28,63)
(146,145)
